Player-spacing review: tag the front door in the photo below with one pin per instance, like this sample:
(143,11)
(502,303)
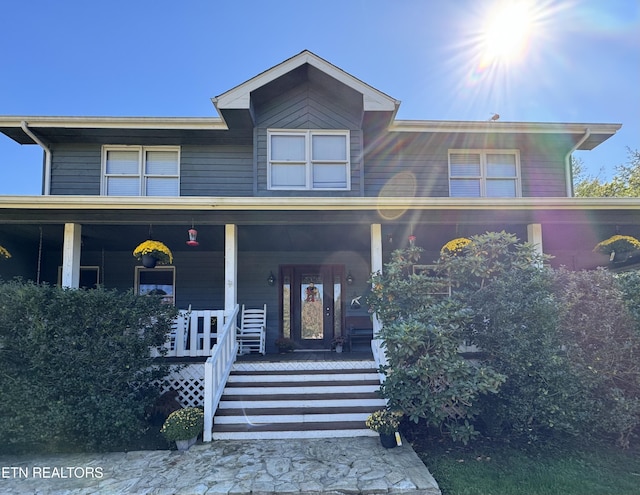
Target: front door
(312,304)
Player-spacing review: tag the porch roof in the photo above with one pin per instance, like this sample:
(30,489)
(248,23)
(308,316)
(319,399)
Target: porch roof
(274,203)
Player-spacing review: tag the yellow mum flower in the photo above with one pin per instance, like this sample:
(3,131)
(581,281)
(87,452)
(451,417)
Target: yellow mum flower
(156,249)
(455,245)
(617,243)
(4,253)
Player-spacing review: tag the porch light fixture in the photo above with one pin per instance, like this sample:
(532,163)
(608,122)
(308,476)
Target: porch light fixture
(349,279)
(271,279)
(193,235)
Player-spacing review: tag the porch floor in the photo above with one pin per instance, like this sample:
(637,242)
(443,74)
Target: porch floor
(321,355)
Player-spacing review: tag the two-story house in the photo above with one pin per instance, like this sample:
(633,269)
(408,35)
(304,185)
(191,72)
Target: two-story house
(299,189)
(305,179)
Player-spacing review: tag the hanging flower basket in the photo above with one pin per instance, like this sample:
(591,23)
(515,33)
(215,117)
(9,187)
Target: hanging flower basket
(617,244)
(455,246)
(154,249)
(4,254)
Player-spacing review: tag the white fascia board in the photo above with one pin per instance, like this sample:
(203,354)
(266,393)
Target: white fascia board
(311,204)
(501,127)
(240,96)
(190,123)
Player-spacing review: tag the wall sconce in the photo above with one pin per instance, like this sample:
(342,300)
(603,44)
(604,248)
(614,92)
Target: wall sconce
(349,279)
(271,279)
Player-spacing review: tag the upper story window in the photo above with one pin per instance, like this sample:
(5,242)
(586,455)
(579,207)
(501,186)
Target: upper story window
(308,160)
(484,173)
(141,171)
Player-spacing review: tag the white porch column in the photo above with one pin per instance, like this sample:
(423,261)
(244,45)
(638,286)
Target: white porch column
(230,267)
(534,236)
(71,255)
(376,261)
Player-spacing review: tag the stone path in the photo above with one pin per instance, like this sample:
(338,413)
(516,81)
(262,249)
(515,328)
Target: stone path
(292,467)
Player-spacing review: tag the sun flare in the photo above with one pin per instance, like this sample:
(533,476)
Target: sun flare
(506,32)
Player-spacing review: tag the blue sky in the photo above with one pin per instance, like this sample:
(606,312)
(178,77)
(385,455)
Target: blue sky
(580,63)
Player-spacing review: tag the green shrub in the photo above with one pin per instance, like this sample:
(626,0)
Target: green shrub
(600,331)
(426,377)
(516,327)
(560,348)
(75,366)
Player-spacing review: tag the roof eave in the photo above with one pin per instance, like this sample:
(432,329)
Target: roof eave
(239,97)
(308,204)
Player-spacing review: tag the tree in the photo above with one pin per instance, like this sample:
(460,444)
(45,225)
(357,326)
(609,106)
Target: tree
(624,184)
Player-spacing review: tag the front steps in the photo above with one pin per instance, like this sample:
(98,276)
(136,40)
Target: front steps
(298,399)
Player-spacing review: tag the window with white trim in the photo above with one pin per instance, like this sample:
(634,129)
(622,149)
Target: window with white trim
(158,281)
(141,171)
(308,160)
(484,173)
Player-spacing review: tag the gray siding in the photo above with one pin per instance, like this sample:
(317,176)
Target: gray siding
(204,170)
(392,164)
(75,169)
(216,170)
(408,164)
(542,167)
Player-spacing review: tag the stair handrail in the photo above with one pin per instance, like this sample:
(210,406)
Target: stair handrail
(217,369)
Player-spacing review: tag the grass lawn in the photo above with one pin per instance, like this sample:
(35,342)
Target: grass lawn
(486,468)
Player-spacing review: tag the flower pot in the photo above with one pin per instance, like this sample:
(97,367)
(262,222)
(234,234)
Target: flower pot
(338,347)
(149,261)
(186,444)
(388,440)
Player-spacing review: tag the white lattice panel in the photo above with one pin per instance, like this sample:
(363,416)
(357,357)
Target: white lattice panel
(188,381)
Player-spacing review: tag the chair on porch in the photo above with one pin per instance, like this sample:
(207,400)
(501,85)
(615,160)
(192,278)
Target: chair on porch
(180,329)
(251,334)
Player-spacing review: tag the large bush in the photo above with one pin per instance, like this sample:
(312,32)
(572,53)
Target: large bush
(75,366)
(516,327)
(600,331)
(561,348)
(426,378)
(510,294)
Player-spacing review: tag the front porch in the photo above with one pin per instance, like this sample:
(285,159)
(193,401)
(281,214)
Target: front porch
(270,257)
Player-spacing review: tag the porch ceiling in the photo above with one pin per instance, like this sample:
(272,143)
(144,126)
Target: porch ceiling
(211,237)
(289,230)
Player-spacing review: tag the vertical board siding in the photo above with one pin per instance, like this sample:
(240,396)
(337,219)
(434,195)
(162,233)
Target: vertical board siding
(75,169)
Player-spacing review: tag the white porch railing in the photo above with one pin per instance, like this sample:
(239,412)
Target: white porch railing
(379,356)
(217,369)
(194,333)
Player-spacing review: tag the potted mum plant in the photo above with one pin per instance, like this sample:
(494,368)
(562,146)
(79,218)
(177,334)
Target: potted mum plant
(152,252)
(385,422)
(338,343)
(4,253)
(619,248)
(183,427)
